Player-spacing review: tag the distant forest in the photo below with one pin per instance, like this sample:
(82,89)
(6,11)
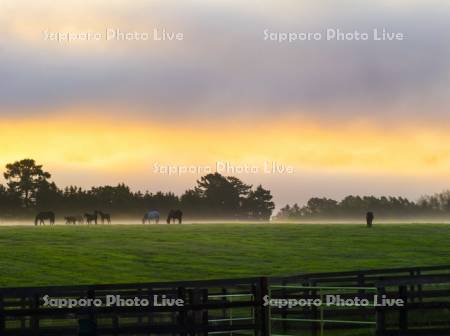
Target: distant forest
(434,206)
(29,189)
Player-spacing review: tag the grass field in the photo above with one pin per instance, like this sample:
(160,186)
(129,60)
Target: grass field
(135,253)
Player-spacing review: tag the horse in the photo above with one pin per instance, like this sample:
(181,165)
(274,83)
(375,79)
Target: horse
(175,214)
(104,216)
(74,219)
(42,216)
(70,219)
(91,217)
(369,219)
(151,215)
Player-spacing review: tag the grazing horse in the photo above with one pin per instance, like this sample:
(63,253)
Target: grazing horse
(42,216)
(175,215)
(151,215)
(70,219)
(91,217)
(74,219)
(104,217)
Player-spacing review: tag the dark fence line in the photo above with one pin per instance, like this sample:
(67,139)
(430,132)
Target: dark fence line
(207,308)
(219,307)
(423,289)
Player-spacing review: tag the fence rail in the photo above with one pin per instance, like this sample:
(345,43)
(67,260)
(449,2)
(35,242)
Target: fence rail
(236,306)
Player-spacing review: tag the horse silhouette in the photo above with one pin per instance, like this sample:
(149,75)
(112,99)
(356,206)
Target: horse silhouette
(175,215)
(70,219)
(104,217)
(74,219)
(151,215)
(91,217)
(41,217)
(369,219)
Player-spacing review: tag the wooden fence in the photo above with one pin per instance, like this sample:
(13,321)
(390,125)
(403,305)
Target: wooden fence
(236,307)
(209,307)
(421,288)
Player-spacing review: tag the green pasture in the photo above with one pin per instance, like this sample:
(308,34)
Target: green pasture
(60,255)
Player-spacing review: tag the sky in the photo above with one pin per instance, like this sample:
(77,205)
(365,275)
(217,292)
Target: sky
(347,116)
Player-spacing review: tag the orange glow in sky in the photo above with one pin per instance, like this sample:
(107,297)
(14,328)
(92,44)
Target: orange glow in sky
(128,146)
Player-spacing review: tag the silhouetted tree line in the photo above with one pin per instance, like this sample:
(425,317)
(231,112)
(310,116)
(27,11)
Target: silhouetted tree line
(437,205)
(29,189)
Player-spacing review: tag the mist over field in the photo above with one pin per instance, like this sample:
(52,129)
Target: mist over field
(136,221)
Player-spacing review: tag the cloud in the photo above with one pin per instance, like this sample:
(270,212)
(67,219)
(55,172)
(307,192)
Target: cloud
(224,67)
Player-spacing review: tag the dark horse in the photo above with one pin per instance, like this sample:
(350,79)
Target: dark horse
(91,217)
(175,214)
(71,220)
(369,219)
(104,217)
(42,216)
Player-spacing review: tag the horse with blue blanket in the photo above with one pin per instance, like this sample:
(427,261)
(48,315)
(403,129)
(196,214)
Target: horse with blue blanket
(151,215)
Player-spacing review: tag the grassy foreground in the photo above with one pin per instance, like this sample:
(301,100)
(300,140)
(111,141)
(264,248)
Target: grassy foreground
(136,253)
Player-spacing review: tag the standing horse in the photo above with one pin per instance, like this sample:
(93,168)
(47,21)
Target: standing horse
(104,217)
(151,215)
(369,219)
(175,215)
(42,216)
(91,217)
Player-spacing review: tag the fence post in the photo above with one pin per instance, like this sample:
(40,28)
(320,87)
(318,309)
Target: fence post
(262,316)
(284,313)
(205,312)
(362,283)
(182,314)
(87,326)
(23,305)
(140,295)
(151,313)
(224,299)
(2,316)
(381,314)
(195,317)
(314,311)
(34,323)
(403,316)
(412,288)
(419,286)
